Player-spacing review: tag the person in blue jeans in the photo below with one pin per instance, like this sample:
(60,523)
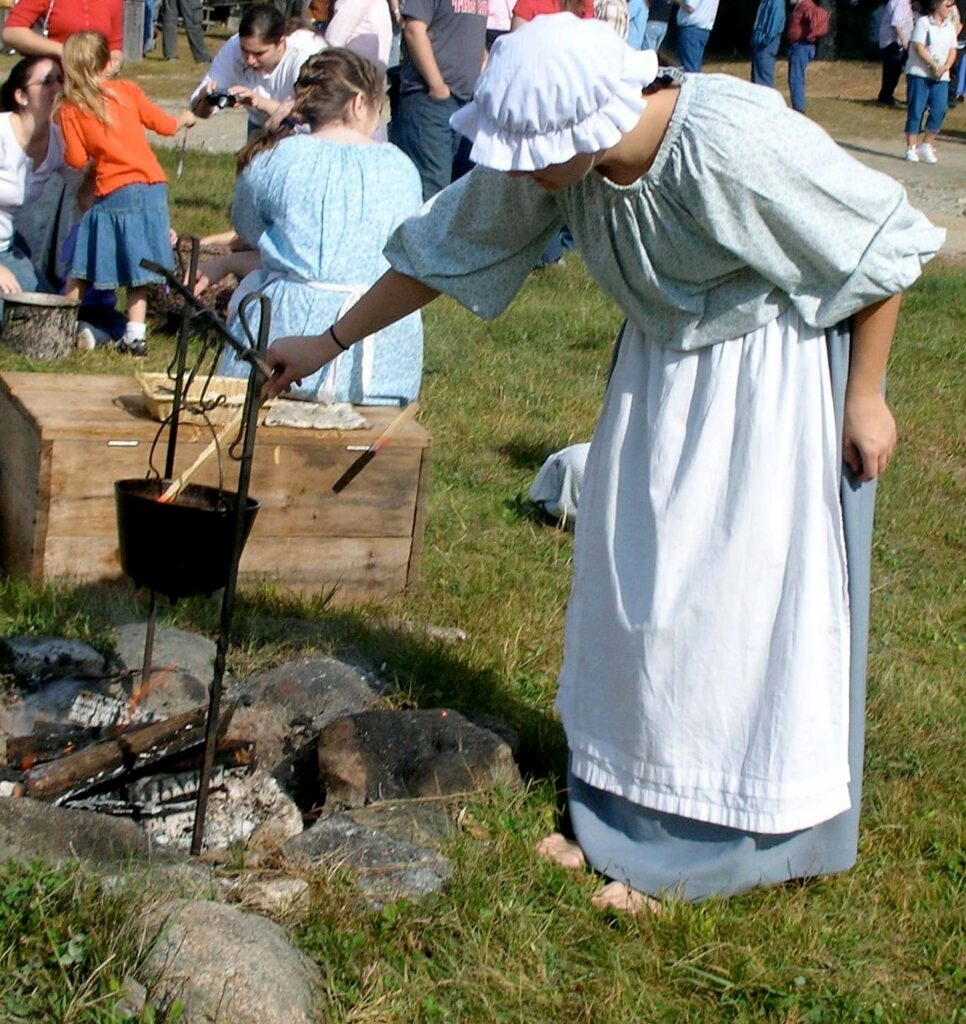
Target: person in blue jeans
(932,52)
(445,42)
(765,39)
(658,13)
(695,21)
(808,23)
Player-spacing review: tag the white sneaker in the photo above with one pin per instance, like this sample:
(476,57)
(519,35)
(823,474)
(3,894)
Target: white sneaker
(84,338)
(927,154)
(911,155)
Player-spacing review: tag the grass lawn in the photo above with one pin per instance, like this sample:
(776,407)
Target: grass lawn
(512,939)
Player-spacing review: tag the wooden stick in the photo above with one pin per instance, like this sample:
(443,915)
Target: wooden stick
(173,489)
(395,426)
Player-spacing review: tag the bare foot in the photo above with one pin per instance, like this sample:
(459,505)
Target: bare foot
(562,850)
(620,896)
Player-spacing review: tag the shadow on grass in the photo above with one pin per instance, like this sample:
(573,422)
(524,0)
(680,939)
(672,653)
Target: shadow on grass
(526,453)
(270,627)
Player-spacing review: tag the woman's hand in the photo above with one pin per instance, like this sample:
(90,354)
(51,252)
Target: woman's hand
(243,95)
(868,435)
(292,359)
(9,285)
(186,119)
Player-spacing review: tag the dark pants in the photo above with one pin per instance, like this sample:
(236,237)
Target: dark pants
(420,128)
(763,63)
(800,55)
(893,61)
(190,12)
(691,44)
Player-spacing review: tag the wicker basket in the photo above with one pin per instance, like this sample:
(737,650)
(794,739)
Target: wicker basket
(158,390)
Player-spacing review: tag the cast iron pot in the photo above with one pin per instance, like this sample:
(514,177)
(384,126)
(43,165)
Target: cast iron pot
(178,548)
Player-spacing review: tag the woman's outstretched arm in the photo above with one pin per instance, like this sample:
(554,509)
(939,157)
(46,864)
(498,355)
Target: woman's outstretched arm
(391,298)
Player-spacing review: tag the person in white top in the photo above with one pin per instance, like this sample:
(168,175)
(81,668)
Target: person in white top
(932,52)
(257,67)
(364,27)
(30,151)
(695,20)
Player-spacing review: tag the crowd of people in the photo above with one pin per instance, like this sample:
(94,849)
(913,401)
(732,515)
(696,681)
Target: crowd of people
(713,679)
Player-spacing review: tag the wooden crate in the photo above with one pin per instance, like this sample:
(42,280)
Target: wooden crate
(65,439)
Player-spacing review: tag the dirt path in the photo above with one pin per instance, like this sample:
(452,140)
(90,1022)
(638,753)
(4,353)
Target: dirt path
(939,190)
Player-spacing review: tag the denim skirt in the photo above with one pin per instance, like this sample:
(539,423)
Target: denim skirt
(120,230)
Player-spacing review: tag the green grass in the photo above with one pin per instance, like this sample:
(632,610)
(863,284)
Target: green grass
(512,939)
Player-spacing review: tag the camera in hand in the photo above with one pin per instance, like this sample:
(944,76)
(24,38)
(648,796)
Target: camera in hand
(220,100)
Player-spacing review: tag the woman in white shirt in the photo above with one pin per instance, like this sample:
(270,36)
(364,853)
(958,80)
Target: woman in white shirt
(364,27)
(30,151)
(932,52)
(258,66)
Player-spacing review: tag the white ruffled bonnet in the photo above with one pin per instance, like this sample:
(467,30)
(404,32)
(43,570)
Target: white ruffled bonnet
(557,86)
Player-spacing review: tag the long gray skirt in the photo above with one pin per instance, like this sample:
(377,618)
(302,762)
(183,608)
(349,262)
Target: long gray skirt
(664,854)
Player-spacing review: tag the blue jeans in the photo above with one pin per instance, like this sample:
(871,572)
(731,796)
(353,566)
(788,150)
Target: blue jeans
(763,63)
(691,44)
(654,34)
(420,128)
(800,55)
(923,93)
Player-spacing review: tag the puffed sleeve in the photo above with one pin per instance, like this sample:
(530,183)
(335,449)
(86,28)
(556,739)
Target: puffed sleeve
(478,239)
(774,189)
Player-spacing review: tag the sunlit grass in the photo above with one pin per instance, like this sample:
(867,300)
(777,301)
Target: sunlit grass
(512,939)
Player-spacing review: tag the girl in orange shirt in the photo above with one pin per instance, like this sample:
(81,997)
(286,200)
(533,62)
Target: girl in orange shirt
(103,122)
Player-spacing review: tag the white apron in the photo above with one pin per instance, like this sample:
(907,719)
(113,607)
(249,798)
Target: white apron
(707,643)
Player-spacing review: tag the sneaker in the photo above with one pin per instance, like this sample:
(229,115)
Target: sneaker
(911,155)
(84,339)
(133,346)
(927,154)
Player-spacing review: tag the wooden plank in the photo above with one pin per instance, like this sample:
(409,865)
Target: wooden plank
(375,567)
(101,404)
(24,489)
(380,502)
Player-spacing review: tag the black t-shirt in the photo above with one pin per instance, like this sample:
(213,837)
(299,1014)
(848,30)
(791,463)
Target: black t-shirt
(457,31)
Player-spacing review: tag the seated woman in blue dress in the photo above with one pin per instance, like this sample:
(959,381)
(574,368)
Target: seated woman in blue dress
(317,200)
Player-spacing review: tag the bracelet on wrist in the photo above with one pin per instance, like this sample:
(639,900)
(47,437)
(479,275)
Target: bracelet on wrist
(334,337)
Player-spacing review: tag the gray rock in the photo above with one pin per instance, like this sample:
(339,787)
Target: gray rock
(35,659)
(274,897)
(383,869)
(32,830)
(22,713)
(181,667)
(423,823)
(391,755)
(228,966)
(284,708)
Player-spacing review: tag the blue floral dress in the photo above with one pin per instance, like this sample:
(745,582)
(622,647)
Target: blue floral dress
(319,213)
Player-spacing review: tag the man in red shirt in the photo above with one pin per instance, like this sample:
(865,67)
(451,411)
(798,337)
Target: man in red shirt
(807,24)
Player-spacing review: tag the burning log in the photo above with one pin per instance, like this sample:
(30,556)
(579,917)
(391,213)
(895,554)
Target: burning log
(25,752)
(135,749)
